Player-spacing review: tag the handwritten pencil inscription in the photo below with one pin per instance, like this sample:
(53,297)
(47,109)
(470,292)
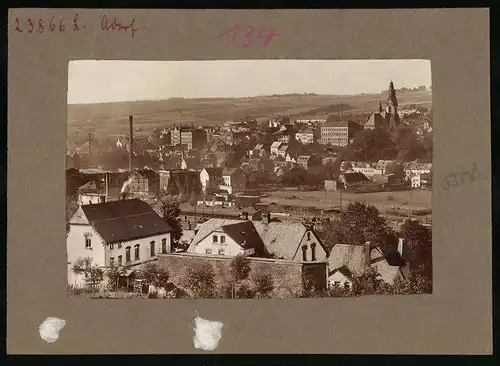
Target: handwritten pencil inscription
(456,179)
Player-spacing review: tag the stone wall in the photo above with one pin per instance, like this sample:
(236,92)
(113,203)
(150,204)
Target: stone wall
(289,277)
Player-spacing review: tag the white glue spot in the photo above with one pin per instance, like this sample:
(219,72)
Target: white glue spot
(49,329)
(207,334)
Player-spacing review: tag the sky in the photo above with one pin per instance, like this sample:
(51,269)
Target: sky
(96,81)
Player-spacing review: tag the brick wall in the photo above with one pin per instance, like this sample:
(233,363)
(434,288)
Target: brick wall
(288,277)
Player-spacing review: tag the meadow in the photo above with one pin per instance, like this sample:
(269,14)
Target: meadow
(405,200)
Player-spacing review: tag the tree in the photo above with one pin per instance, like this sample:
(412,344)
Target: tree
(418,239)
(407,144)
(93,273)
(113,274)
(170,213)
(239,269)
(367,284)
(264,284)
(371,145)
(154,275)
(199,279)
(415,284)
(362,223)
(330,233)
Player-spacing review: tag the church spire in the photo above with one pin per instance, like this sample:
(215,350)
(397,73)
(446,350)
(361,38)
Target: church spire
(392,100)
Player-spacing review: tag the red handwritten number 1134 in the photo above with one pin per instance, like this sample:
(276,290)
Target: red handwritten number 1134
(249,35)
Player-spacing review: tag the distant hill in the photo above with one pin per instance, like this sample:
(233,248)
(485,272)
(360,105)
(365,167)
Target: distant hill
(111,119)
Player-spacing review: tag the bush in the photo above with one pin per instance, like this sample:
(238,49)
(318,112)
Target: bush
(200,280)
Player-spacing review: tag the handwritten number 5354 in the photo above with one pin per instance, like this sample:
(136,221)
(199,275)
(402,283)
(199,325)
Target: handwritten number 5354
(249,35)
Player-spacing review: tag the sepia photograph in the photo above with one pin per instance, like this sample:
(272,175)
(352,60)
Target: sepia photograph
(249,179)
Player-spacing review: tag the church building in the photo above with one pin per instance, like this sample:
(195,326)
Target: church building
(387,119)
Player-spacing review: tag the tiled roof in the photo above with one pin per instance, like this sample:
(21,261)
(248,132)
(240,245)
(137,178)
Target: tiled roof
(281,238)
(350,256)
(388,265)
(125,220)
(214,172)
(355,177)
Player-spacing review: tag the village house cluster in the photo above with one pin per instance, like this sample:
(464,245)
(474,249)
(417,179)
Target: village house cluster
(118,220)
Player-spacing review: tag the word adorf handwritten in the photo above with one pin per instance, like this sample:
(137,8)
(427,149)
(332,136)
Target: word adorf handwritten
(248,35)
(117,25)
(41,25)
(461,178)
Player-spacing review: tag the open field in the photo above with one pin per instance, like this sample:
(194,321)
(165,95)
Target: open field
(405,200)
(111,119)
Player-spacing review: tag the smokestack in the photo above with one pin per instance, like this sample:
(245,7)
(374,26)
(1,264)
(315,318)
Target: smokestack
(368,258)
(131,143)
(106,178)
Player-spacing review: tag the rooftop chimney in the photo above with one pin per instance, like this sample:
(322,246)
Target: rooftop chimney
(265,217)
(401,248)
(367,255)
(131,143)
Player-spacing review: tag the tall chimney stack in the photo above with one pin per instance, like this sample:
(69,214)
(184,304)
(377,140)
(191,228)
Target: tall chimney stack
(368,259)
(131,143)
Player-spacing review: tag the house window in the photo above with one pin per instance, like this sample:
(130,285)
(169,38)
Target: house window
(88,242)
(111,261)
(163,245)
(136,252)
(152,248)
(111,246)
(313,251)
(119,245)
(222,251)
(336,283)
(208,251)
(222,239)
(308,235)
(120,261)
(304,253)
(214,238)
(127,254)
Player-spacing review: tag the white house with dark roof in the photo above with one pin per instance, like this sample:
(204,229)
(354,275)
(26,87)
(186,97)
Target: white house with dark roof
(124,232)
(292,241)
(275,147)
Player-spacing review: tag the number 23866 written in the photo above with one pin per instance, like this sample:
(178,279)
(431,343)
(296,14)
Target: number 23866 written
(41,25)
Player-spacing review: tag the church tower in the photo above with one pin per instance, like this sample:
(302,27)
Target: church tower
(392,101)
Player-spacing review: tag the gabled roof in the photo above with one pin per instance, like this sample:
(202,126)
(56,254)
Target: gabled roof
(355,177)
(245,235)
(214,172)
(281,238)
(344,270)
(389,264)
(303,158)
(350,256)
(125,220)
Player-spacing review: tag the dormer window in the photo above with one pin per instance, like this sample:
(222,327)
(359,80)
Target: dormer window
(304,253)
